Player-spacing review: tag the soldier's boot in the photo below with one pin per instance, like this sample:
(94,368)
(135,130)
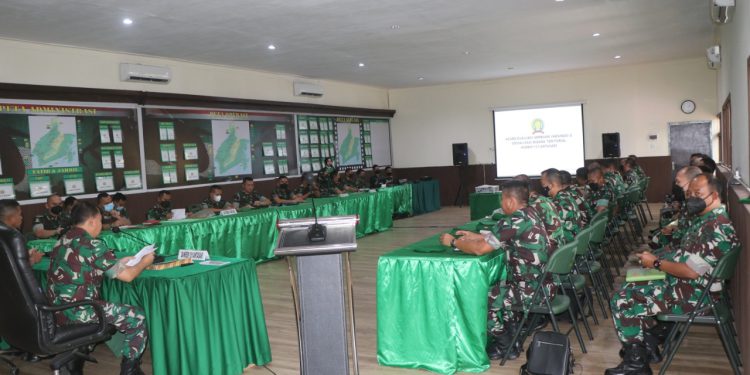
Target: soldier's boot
(661,331)
(131,366)
(652,346)
(500,343)
(635,362)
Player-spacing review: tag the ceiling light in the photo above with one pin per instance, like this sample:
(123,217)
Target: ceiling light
(127,21)
(595,35)
(361,65)
(510,68)
(395,27)
(420,78)
(559,1)
(466,52)
(618,57)
(271,47)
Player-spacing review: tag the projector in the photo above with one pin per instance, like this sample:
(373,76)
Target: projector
(487,189)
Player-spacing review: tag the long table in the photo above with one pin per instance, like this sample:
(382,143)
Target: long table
(201,319)
(432,306)
(482,204)
(425,196)
(253,234)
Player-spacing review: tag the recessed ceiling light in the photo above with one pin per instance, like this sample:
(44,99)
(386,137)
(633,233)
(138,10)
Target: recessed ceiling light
(395,27)
(595,35)
(127,21)
(467,52)
(361,65)
(420,78)
(618,57)
(559,1)
(271,47)
(510,68)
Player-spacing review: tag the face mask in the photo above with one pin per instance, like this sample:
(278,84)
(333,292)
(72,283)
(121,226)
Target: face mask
(284,186)
(694,206)
(217,198)
(109,207)
(56,210)
(119,208)
(545,191)
(679,194)
(594,187)
(165,204)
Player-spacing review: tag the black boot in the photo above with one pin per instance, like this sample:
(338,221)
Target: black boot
(652,346)
(131,367)
(499,344)
(661,331)
(635,362)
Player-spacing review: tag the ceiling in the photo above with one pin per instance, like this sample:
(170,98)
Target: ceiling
(399,41)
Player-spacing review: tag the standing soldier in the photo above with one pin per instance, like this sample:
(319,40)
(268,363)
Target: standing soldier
(79,263)
(162,210)
(248,196)
(521,233)
(688,269)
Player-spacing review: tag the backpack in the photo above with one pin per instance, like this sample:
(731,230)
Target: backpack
(549,354)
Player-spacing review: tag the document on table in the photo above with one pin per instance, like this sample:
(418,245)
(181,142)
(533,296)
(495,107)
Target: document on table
(137,258)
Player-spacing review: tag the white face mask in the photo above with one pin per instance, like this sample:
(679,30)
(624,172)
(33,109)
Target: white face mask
(217,198)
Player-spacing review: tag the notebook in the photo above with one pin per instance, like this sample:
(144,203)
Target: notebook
(643,274)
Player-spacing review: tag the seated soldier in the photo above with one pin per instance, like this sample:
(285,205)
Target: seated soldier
(582,184)
(522,235)
(214,202)
(546,211)
(306,187)
(688,268)
(120,200)
(339,187)
(636,166)
(282,194)
(12,217)
(68,205)
(377,177)
(671,234)
(49,223)
(248,196)
(570,215)
(350,180)
(602,191)
(162,210)
(361,180)
(110,216)
(611,174)
(581,202)
(389,179)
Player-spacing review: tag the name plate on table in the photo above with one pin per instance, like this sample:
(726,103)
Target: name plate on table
(193,254)
(343,195)
(230,211)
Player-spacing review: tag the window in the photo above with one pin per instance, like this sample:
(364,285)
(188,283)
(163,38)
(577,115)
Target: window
(725,132)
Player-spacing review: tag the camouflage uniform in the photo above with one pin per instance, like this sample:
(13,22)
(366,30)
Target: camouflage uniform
(341,186)
(635,306)
(546,211)
(360,183)
(616,181)
(47,221)
(65,220)
(570,216)
(78,266)
(282,193)
(605,191)
(158,212)
(244,199)
(583,205)
(304,190)
(632,179)
(639,171)
(210,203)
(522,235)
(376,180)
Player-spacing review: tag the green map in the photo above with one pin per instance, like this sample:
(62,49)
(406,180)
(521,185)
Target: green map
(232,156)
(349,148)
(54,143)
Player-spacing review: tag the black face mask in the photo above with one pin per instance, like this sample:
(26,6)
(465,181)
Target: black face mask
(594,187)
(679,194)
(283,186)
(166,204)
(545,191)
(56,210)
(694,206)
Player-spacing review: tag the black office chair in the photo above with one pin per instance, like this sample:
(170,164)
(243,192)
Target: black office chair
(27,319)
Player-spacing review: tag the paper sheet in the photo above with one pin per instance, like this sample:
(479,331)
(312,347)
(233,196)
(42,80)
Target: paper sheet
(137,258)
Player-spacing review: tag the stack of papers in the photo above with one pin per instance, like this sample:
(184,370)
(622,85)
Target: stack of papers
(137,258)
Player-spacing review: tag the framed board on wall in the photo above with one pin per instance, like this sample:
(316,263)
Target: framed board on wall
(68,148)
(191,146)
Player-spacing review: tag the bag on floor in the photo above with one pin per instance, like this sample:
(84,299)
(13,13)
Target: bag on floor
(548,354)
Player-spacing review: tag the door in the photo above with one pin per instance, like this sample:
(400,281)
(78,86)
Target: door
(687,138)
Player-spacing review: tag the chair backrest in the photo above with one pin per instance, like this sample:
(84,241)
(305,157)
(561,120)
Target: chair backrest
(727,265)
(20,294)
(599,215)
(598,229)
(561,261)
(582,241)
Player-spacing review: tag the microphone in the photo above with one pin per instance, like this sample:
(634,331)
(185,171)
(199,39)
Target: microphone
(157,258)
(316,232)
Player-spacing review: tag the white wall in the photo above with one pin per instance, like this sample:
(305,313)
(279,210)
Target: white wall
(635,100)
(734,39)
(30,63)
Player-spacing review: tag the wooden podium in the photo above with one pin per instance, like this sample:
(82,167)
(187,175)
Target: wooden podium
(322,291)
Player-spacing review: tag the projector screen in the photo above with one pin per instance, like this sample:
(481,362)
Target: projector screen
(530,140)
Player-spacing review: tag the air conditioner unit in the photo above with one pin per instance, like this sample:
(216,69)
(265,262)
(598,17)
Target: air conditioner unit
(721,10)
(145,73)
(713,54)
(308,89)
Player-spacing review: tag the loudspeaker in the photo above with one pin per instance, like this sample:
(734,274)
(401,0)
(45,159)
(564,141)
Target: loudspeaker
(460,154)
(611,145)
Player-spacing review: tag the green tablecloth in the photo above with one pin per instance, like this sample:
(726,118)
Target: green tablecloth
(251,234)
(201,319)
(482,204)
(432,307)
(402,199)
(426,196)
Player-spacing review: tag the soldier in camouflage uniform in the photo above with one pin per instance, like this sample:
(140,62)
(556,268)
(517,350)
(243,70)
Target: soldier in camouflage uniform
(688,268)
(581,202)
(162,210)
(613,177)
(248,197)
(12,217)
(546,211)
(570,216)
(215,202)
(361,180)
(671,235)
(79,263)
(306,187)
(632,178)
(282,194)
(522,235)
(49,224)
(602,191)
(338,186)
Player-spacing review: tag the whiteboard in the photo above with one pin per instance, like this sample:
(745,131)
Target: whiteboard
(381,142)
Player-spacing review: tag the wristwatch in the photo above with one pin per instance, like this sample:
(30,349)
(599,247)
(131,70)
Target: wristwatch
(657,264)
(453,243)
